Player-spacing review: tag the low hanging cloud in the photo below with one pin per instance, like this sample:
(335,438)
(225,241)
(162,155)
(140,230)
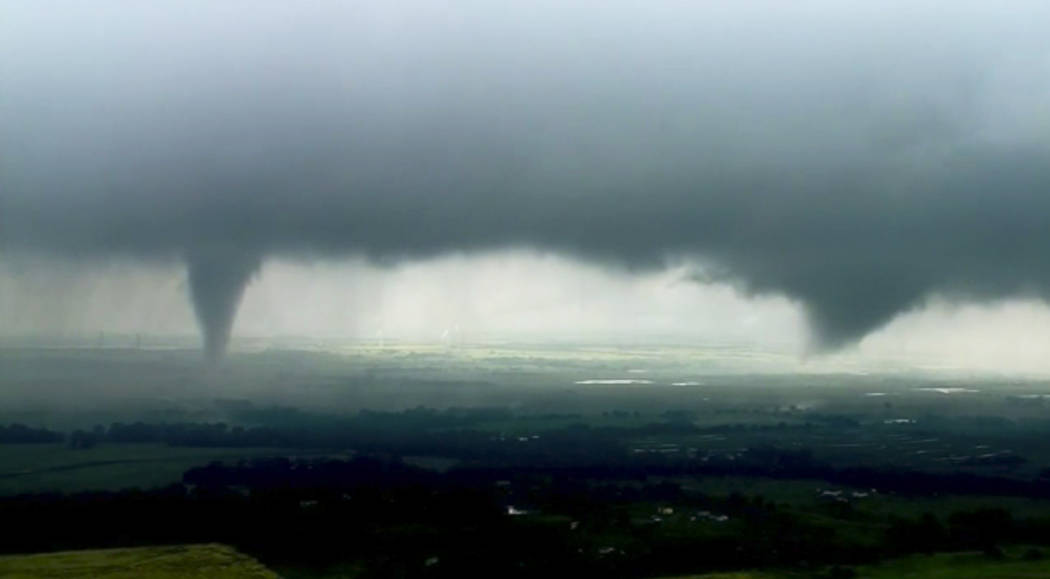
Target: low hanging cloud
(854,158)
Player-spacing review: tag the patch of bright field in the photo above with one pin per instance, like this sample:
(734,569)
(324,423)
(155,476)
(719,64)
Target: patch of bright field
(144,562)
(56,467)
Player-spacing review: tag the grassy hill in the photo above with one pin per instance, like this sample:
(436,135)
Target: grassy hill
(146,562)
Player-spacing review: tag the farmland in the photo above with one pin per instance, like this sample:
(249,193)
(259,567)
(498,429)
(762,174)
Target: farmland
(612,460)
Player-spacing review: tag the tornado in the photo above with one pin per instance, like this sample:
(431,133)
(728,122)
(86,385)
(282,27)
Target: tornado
(217,279)
(858,181)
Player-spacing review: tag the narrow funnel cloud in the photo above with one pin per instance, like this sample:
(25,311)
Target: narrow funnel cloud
(217,282)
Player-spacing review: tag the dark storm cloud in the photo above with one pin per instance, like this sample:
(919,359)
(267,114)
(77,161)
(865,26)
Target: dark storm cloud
(856,158)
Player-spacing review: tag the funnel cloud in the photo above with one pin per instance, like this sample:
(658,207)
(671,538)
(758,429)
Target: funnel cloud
(856,158)
(217,280)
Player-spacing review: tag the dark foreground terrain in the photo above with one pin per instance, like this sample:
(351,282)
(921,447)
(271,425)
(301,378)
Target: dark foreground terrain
(516,462)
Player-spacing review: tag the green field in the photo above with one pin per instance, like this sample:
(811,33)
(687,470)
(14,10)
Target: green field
(34,468)
(938,566)
(145,562)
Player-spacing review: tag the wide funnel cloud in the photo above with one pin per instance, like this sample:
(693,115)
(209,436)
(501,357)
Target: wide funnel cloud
(217,279)
(854,157)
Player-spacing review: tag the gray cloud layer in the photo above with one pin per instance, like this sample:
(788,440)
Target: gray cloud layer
(855,157)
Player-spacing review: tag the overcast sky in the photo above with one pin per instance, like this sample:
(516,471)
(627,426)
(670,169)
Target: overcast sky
(828,165)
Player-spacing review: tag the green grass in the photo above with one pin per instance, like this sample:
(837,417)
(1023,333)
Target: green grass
(957,566)
(173,562)
(937,566)
(54,467)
